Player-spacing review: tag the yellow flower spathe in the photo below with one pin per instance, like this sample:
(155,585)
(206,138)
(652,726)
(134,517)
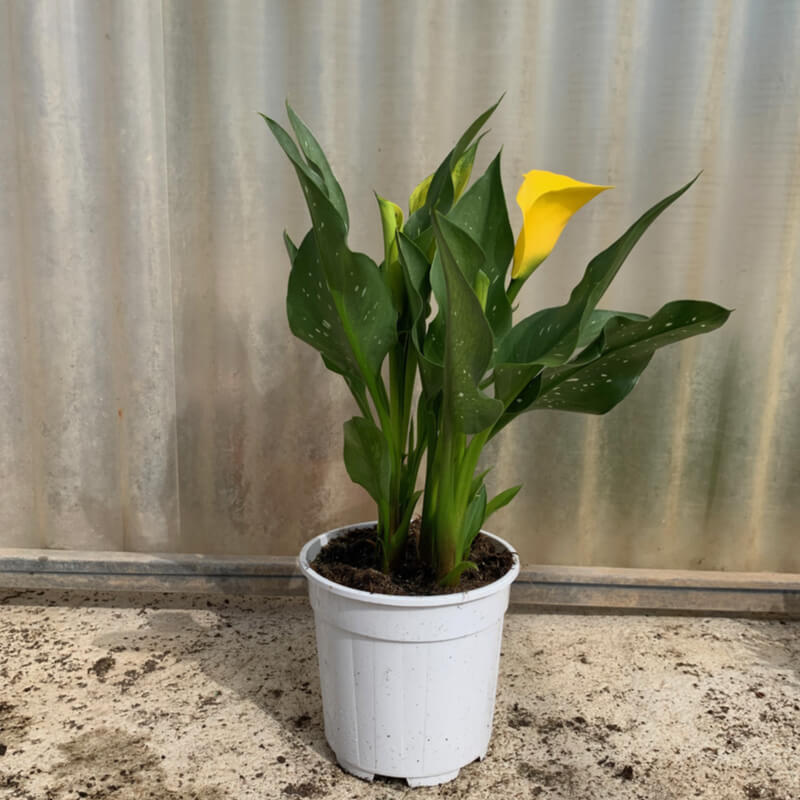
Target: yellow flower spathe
(547,201)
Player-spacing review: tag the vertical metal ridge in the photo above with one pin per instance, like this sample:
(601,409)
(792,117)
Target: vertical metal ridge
(173,425)
(116,292)
(593,434)
(29,341)
(675,533)
(790,273)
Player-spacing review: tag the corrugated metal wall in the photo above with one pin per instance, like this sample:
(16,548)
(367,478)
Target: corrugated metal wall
(153,398)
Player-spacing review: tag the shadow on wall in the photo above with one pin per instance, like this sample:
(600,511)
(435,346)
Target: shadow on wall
(256,446)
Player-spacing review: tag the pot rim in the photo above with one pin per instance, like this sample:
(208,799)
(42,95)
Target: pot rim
(402,600)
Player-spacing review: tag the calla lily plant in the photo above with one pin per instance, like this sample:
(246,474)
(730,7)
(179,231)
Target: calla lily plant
(436,312)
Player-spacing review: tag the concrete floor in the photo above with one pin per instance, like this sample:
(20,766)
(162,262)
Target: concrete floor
(175,697)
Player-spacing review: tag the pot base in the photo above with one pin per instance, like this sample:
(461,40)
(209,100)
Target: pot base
(354,770)
(426,780)
(432,780)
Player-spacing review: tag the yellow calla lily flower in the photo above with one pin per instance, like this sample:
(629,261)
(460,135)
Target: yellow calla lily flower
(547,201)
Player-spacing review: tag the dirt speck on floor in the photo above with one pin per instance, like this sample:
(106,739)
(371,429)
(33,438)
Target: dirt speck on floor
(102,667)
(105,763)
(176,697)
(306,789)
(13,729)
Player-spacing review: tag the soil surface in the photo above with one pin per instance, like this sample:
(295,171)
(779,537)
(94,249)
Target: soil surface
(352,559)
(173,697)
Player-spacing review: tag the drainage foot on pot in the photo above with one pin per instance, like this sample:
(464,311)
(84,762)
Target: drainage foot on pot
(357,771)
(432,780)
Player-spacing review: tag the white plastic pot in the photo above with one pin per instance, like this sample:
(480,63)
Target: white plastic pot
(408,682)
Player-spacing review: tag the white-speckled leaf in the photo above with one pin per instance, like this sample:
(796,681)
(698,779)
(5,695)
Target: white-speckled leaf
(608,369)
(483,214)
(468,340)
(361,326)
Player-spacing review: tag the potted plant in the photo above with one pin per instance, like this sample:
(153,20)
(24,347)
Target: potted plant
(408,679)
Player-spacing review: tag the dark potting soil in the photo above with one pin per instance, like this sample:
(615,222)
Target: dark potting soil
(351,559)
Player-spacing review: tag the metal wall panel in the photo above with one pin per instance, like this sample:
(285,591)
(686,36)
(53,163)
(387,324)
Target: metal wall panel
(153,397)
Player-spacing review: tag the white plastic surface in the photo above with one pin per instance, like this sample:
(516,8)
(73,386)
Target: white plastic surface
(408,683)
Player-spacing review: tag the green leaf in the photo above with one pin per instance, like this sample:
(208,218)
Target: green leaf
(510,379)
(468,341)
(405,520)
(482,213)
(311,311)
(355,288)
(420,194)
(432,361)
(549,337)
(463,169)
(454,576)
(354,328)
(597,320)
(291,247)
(481,288)
(477,482)
(392,222)
(472,131)
(440,193)
(356,385)
(316,157)
(416,271)
(367,457)
(290,148)
(367,312)
(467,255)
(473,519)
(330,229)
(500,500)
(608,369)
(460,177)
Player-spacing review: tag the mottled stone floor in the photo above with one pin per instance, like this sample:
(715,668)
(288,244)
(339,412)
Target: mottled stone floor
(173,697)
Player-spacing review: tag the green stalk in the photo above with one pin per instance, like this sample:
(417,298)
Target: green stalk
(396,391)
(448,514)
(430,500)
(377,391)
(357,390)
(513,289)
(468,465)
(408,385)
(397,534)
(446,536)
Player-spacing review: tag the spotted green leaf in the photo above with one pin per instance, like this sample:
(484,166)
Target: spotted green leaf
(317,159)
(330,228)
(440,193)
(367,457)
(416,271)
(482,213)
(468,341)
(353,328)
(609,368)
